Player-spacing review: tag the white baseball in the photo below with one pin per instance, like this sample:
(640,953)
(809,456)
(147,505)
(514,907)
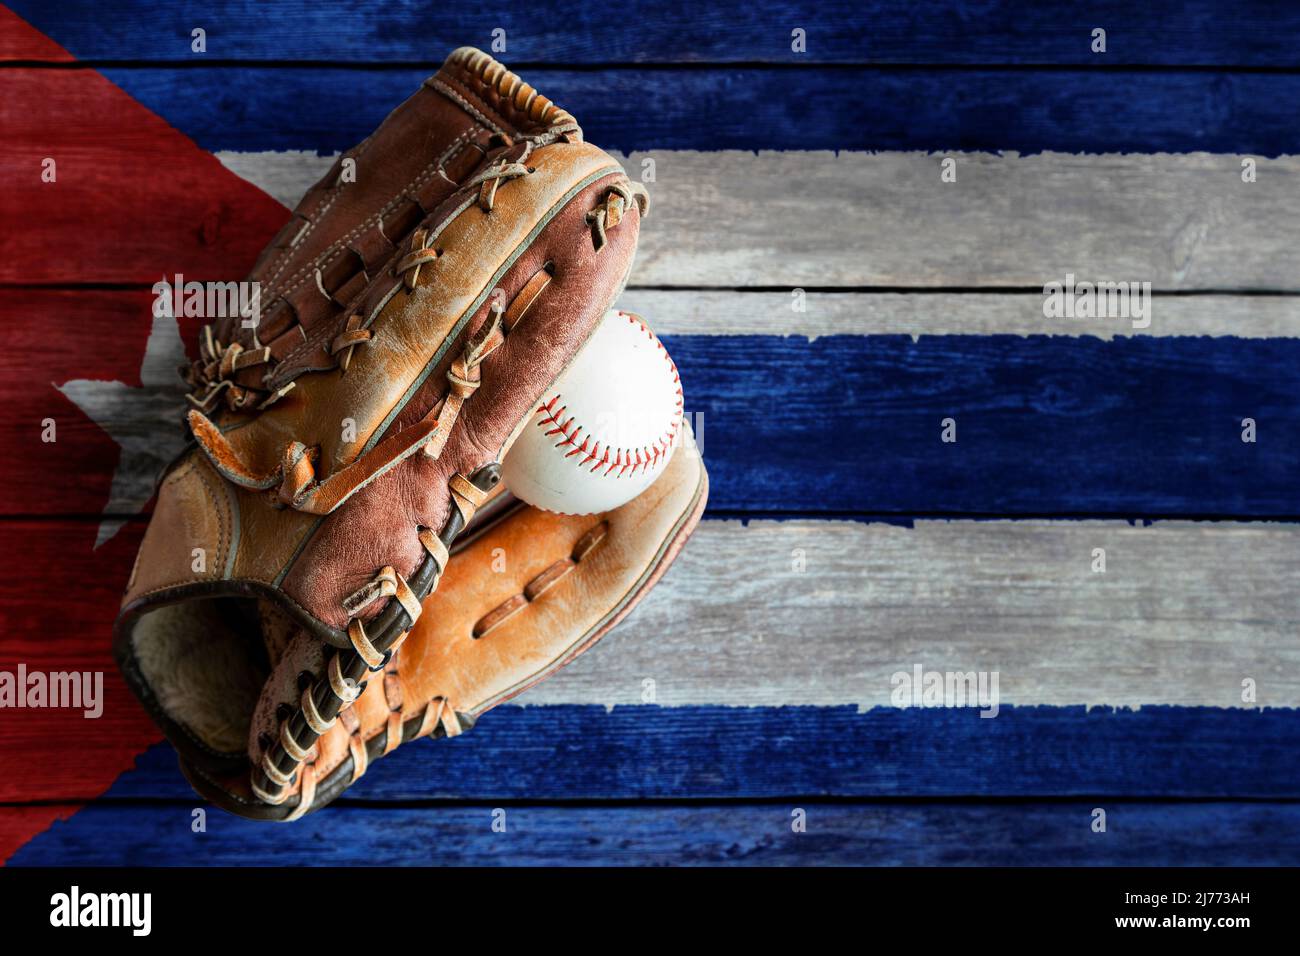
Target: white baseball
(605,430)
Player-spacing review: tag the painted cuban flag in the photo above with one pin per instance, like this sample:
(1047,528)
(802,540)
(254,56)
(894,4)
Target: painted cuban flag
(988,321)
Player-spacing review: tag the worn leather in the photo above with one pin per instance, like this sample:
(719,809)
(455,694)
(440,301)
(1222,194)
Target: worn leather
(350,223)
(399,375)
(557,616)
(414,314)
(417,334)
(386,516)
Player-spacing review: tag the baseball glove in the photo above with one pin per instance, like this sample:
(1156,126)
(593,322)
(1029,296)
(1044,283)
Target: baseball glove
(420,301)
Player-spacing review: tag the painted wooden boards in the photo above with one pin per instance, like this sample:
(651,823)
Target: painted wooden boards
(770,680)
(1162,32)
(772,644)
(681,312)
(815,219)
(97,189)
(647,752)
(744,834)
(744,107)
(731,220)
(1144,427)
(769,613)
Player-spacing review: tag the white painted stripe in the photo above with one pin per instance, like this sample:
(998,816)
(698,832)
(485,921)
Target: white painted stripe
(1184,613)
(821,219)
(726,312)
(284,176)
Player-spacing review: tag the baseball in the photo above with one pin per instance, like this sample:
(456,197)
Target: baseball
(605,430)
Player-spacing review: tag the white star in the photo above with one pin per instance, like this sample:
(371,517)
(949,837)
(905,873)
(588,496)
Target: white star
(144,421)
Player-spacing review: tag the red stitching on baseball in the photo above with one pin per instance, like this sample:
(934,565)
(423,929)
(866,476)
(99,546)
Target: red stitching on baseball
(628,461)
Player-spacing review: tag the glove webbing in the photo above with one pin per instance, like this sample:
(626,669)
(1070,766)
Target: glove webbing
(213,376)
(296,474)
(322,700)
(438,718)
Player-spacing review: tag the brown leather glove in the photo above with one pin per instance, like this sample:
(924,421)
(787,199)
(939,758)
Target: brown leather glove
(423,297)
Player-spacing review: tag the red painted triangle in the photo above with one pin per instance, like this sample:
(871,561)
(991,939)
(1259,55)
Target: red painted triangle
(19,41)
(132,200)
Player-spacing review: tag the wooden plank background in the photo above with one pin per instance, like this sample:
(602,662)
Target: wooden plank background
(1008,221)
(1145,426)
(1052,32)
(736,833)
(901,108)
(820,427)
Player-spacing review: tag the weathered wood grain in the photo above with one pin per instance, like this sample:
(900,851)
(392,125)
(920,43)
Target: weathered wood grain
(58,599)
(766,698)
(77,358)
(819,219)
(1046,425)
(680,312)
(853,834)
(1166,32)
(1182,615)
(747,107)
(19,40)
(1055,426)
(766,678)
(285,175)
(19,824)
(648,752)
(132,200)
(885,219)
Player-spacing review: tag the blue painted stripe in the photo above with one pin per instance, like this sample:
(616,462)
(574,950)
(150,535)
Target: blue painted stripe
(568,752)
(1045,425)
(331,109)
(1035,834)
(1254,32)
